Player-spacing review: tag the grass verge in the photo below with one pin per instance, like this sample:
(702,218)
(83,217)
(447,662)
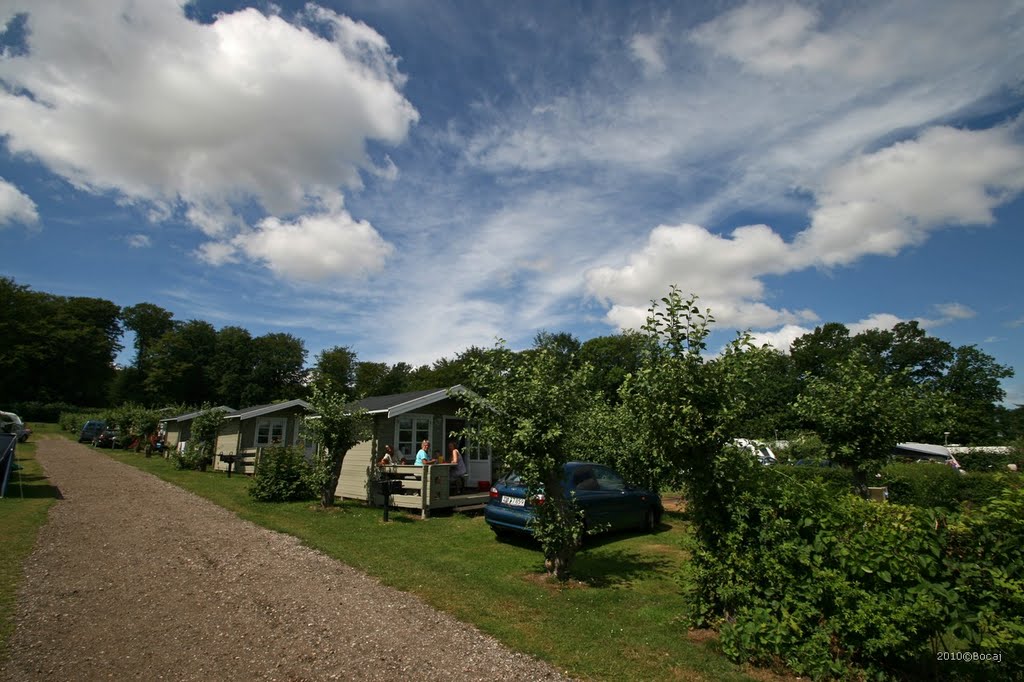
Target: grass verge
(22,514)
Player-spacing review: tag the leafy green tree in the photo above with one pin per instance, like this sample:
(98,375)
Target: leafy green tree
(338,366)
(231,366)
(817,353)
(180,364)
(527,405)
(763,384)
(149,322)
(676,400)
(612,359)
(277,373)
(336,427)
(972,385)
(860,413)
(378,378)
(203,441)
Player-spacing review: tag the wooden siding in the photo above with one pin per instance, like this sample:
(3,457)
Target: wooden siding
(355,470)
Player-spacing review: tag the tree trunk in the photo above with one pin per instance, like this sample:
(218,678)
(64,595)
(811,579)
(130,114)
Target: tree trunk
(327,494)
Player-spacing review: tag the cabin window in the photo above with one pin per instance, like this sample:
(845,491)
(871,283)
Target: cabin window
(410,431)
(270,432)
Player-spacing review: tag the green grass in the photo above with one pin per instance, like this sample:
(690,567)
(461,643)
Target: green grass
(20,520)
(618,619)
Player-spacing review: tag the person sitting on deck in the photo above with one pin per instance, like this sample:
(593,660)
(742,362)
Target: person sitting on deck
(389,457)
(460,472)
(422,457)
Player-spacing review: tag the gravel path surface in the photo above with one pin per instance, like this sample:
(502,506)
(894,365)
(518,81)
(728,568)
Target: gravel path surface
(133,578)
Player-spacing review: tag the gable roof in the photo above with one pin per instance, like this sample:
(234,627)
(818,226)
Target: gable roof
(400,403)
(193,415)
(245,412)
(260,410)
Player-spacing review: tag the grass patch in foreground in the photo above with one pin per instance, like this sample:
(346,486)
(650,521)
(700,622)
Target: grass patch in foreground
(20,521)
(619,618)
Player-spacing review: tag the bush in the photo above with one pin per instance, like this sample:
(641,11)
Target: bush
(73,420)
(36,411)
(922,484)
(836,478)
(980,460)
(806,446)
(281,475)
(926,484)
(194,457)
(836,586)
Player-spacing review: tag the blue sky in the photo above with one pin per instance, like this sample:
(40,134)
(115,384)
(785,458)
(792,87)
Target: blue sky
(410,178)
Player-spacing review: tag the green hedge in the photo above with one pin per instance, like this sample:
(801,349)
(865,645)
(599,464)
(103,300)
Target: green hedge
(281,476)
(925,484)
(834,586)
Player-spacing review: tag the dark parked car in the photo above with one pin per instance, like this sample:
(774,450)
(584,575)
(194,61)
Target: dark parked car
(107,439)
(91,430)
(607,501)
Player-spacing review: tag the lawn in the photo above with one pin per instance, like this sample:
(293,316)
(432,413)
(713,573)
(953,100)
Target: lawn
(620,618)
(22,513)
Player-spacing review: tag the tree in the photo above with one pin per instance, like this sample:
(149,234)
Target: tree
(232,364)
(815,354)
(860,413)
(377,378)
(149,322)
(338,366)
(676,400)
(527,405)
(179,364)
(277,372)
(336,428)
(972,385)
(612,359)
(762,384)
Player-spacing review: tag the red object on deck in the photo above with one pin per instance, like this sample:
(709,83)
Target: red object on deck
(483,486)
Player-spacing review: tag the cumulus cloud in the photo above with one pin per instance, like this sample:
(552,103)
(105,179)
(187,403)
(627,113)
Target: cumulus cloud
(882,202)
(877,203)
(16,206)
(202,120)
(312,247)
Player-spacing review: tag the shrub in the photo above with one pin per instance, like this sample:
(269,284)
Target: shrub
(73,420)
(980,460)
(922,484)
(836,586)
(194,457)
(281,476)
(836,478)
(805,446)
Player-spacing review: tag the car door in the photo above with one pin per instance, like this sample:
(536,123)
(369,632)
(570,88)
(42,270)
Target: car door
(624,508)
(589,496)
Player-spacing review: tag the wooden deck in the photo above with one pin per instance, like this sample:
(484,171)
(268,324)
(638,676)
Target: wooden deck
(426,488)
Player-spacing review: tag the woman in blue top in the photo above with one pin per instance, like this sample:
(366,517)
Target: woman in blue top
(422,457)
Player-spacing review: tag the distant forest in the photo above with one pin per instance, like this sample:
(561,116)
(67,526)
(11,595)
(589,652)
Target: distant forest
(61,350)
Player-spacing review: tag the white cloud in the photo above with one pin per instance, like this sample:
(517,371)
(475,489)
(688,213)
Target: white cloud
(955,311)
(882,202)
(315,247)
(137,100)
(645,48)
(878,203)
(139,241)
(16,206)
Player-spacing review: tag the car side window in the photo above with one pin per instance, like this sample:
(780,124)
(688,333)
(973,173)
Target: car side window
(583,479)
(609,480)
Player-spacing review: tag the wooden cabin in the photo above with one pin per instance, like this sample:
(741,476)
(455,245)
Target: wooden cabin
(403,421)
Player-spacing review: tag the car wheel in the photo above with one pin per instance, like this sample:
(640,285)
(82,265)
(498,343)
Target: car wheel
(650,521)
(501,534)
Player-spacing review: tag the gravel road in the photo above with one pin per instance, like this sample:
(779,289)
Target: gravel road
(133,578)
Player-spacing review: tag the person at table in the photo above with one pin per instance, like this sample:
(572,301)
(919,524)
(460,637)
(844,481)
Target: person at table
(423,456)
(460,473)
(389,458)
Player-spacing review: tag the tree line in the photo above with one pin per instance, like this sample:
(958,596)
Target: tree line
(60,349)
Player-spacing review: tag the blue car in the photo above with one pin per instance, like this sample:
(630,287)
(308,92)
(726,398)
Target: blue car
(607,501)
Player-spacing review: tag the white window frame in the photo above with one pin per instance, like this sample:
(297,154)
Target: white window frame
(416,434)
(271,422)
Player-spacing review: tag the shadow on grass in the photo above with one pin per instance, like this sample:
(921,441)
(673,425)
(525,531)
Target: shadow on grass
(617,567)
(31,486)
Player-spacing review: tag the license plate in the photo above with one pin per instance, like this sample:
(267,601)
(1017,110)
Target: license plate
(513,501)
